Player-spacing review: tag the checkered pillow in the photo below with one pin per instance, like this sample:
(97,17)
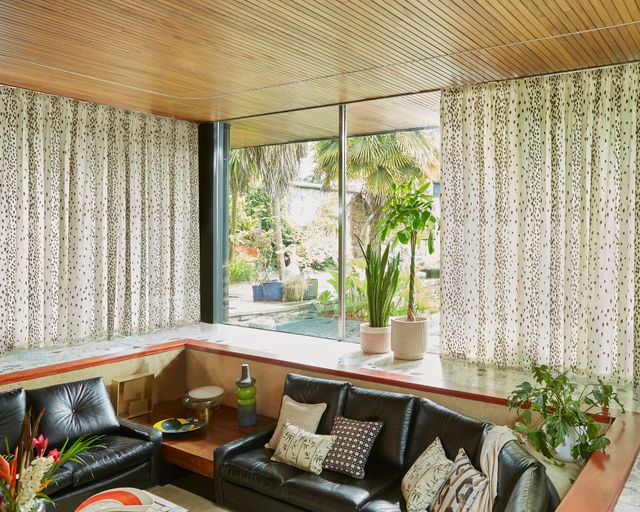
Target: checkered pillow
(354,440)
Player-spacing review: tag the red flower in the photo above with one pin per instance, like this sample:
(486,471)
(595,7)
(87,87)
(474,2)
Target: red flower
(40,443)
(55,454)
(5,470)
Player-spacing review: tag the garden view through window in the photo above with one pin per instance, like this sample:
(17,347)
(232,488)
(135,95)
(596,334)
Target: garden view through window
(283,256)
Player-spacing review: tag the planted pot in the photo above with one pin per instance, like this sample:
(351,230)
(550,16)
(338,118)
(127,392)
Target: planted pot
(273,290)
(375,340)
(409,339)
(312,289)
(563,451)
(258,292)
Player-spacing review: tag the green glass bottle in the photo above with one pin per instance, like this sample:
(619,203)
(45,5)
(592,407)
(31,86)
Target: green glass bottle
(246,398)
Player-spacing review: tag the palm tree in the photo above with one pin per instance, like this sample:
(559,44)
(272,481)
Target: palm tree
(278,166)
(374,163)
(243,170)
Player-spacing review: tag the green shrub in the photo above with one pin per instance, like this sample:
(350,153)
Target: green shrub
(294,289)
(240,270)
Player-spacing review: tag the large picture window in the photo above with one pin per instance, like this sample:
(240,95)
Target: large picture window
(284,212)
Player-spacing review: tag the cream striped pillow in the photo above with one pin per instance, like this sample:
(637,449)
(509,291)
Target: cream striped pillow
(305,416)
(302,449)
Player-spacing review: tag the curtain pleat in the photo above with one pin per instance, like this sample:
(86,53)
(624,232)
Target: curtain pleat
(98,221)
(540,221)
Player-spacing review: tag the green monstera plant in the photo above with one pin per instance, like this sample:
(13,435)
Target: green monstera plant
(563,413)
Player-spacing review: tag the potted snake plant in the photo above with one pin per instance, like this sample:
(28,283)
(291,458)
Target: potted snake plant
(408,216)
(382,272)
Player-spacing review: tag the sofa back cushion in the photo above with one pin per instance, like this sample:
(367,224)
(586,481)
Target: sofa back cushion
(73,409)
(13,405)
(309,390)
(455,431)
(392,409)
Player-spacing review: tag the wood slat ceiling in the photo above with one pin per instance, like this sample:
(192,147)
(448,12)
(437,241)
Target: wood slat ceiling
(410,112)
(224,59)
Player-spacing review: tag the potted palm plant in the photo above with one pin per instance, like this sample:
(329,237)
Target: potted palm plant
(382,274)
(408,216)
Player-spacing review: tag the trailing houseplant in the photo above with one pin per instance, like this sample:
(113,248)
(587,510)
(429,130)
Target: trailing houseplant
(26,472)
(564,427)
(409,216)
(382,272)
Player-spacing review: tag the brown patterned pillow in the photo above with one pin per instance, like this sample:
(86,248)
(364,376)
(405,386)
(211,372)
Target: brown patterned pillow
(462,487)
(354,440)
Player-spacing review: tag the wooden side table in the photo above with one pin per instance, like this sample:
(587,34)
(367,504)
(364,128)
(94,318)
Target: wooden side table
(194,450)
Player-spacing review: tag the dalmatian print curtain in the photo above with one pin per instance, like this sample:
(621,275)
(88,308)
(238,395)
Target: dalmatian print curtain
(98,221)
(541,222)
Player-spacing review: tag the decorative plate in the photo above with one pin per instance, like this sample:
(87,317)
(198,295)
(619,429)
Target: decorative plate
(179,425)
(121,499)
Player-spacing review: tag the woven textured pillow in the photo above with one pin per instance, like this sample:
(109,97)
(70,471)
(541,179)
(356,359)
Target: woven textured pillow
(305,416)
(462,487)
(301,449)
(354,440)
(426,476)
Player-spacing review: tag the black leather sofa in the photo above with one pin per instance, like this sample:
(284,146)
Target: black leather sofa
(130,453)
(246,479)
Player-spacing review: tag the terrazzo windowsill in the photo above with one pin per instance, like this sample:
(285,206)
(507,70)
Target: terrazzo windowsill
(432,371)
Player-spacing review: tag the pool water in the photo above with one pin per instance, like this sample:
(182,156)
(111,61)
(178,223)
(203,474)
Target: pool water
(321,326)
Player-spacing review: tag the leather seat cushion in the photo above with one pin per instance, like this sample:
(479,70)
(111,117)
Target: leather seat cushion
(389,501)
(117,454)
(337,492)
(309,390)
(455,431)
(13,405)
(62,479)
(394,410)
(255,469)
(73,409)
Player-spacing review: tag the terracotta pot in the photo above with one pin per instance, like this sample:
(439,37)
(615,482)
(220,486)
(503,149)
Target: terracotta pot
(409,339)
(375,340)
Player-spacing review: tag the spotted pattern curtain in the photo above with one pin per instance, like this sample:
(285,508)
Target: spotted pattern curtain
(541,222)
(98,221)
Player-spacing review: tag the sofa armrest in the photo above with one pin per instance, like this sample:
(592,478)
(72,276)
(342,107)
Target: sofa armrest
(533,492)
(130,428)
(235,447)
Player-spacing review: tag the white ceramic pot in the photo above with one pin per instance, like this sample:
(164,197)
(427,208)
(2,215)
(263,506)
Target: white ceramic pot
(409,339)
(375,340)
(563,451)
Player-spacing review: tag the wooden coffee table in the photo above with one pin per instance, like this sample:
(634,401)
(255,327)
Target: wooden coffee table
(194,450)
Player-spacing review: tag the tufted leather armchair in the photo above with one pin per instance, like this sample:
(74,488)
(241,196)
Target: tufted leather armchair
(129,455)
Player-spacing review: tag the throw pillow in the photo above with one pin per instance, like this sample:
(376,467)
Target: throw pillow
(426,476)
(462,487)
(301,449)
(354,440)
(305,416)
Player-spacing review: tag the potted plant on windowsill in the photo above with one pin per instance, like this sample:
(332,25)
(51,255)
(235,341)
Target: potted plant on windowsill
(382,274)
(408,216)
(564,428)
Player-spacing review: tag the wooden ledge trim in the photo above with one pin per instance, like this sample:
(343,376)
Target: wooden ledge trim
(88,362)
(365,374)
(603,478)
